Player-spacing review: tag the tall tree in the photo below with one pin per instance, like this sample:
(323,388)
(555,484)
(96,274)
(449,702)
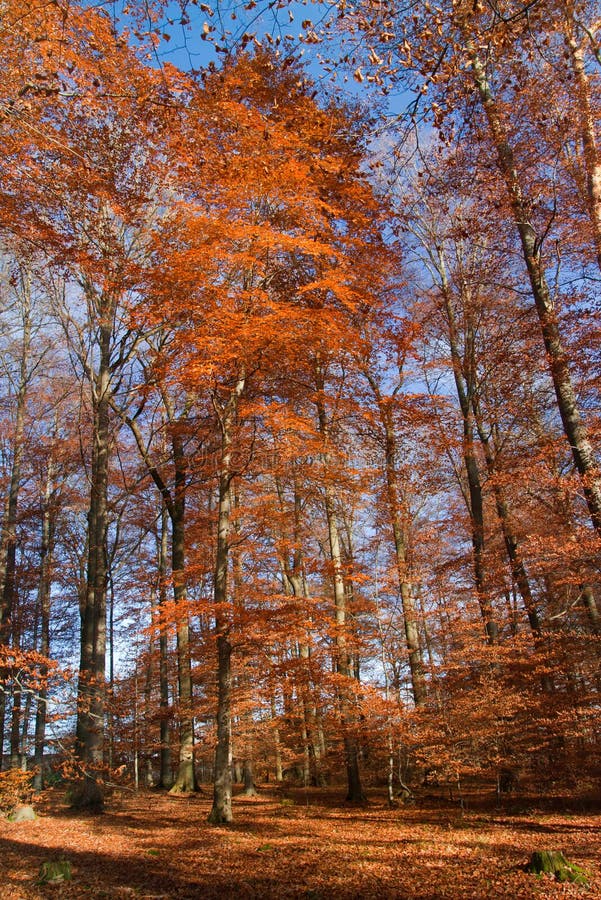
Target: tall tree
(270,251)
(92,221)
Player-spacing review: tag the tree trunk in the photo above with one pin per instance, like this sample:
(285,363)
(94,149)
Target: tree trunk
(165,774)
(248,769)
(277,747)
(110,717)
(464,377)
(389,724)
(88,792)
(518,569)
(221,812)
(588,126)
(8,537)
(175,504)
(292,568)
(343,661)
(44,602)
(185,779)
(15,727)
(590,604)
(573,424)
(399,531)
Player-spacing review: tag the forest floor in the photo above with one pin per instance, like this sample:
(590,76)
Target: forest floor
(292,844)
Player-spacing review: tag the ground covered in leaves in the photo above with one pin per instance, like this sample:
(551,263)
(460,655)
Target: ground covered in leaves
(293,844)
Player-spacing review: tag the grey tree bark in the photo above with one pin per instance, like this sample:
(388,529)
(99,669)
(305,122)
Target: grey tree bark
(88,792)
(44,602)
(8,535)
(174,502)
(355,792)
(399,531)
(574,425)
(221,810)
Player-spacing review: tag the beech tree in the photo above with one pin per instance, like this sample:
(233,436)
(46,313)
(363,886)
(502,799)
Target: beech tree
(439,50)
(175,431)
(19,373)
(335,387)
(387,402)
(94,225)
(267,194)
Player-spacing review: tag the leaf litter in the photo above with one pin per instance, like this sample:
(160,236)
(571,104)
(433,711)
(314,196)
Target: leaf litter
(150,847)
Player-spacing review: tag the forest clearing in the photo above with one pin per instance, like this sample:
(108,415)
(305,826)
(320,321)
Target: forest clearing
(298,843)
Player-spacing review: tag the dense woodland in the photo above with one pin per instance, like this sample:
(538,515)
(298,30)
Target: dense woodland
(300,396)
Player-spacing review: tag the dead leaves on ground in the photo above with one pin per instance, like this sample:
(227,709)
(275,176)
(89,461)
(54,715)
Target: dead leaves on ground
(148,847)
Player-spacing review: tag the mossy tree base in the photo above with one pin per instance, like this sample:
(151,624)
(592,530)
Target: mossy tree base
(184,787)
(185,781)
(221,814)
(552,862)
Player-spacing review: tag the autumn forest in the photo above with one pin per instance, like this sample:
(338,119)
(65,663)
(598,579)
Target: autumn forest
(300,403)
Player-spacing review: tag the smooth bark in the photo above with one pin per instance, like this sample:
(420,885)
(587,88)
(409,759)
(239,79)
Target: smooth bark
(465,385)
(165,774)
(342,657)
(44,603)
(531,242)
(88,792)
(398,518)
(174,501)
(588,126)
(8,535)
(185,779)
(221,811)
